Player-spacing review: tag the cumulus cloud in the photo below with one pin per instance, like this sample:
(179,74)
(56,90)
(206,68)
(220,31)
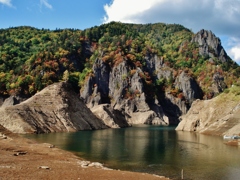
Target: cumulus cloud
(219,16)
(235,53)
(195,14)
(46,4)
(6,2)
(234,48)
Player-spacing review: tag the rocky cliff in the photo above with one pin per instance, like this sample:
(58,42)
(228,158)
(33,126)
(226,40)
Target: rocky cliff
(136,94)
(210,46)
(218,116)
(122,87)
(54,109)
(152,91)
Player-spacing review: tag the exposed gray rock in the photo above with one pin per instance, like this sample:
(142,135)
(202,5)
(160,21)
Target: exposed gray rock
(54,109)
(111,117)
(156,66)
(118,82)
(12,100)
(210,46)
(101,73)
(127,88)
(87,90)
(148,117)
(123,85)
(173,108)
(189,87)
(218,84)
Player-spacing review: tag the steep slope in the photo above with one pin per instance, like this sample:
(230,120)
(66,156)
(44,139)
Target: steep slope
(218,116)
(54,109)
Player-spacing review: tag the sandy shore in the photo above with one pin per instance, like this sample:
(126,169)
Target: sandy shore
(22,158)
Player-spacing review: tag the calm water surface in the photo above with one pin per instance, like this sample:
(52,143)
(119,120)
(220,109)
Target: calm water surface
(153,149)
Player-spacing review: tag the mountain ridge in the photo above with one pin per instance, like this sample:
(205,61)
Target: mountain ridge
(151,72)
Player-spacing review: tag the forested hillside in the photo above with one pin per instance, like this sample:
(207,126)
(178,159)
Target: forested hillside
(31,59)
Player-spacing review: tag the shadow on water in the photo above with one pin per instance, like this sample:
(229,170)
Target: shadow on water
(153,149)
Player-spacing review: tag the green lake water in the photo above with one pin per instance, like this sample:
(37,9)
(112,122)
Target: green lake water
(153,149)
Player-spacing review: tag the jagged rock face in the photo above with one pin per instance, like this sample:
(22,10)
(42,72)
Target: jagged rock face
(173,108)
(55,109)
(101,74)
(218,84)
(155,65)
(210,45)
(126,93)
(126,90)
(96,88)
(189,87)
(87,90)
(118,82)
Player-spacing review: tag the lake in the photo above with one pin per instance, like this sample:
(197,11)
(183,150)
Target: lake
(153,149)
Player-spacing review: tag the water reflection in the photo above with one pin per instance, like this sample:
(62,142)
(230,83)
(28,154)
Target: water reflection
(208,157)
(153,149)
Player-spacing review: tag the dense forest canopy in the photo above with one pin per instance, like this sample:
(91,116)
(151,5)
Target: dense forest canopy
(31,59)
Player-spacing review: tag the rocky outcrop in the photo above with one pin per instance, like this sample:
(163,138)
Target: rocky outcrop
(111,117)
(54,109)
(139,91)
(122,88)
(188,90)
(218,116)
(210,46)
(218,84)
(189,87)
(12,100)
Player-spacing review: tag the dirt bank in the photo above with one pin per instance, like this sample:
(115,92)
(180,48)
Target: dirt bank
(22,158)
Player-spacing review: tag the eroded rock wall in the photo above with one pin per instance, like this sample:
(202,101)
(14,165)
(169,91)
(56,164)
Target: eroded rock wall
(127,91)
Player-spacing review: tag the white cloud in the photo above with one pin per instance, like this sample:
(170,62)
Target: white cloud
(235,53)
(6,2)
(125,10)
(46,4)
(195,14)
(234,48)
(219,16)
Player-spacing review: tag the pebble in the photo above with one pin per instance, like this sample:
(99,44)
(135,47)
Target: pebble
(20,153)
(43,167)
(93,164)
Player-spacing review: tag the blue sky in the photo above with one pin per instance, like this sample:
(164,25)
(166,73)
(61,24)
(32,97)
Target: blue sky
(52,14)
(219,16)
